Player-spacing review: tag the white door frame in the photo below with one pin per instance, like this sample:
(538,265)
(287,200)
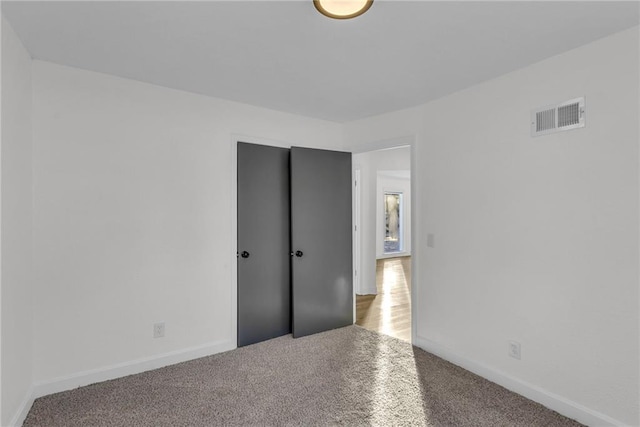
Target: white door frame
(402,141)
(357,254)
(356,225)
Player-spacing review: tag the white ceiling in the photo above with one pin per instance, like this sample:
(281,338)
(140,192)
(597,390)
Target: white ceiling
(286,56)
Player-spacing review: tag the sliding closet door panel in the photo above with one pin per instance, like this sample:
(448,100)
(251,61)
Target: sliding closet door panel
(264,281)
(321,225)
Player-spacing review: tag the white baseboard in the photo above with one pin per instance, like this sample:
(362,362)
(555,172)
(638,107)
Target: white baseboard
(552,401)
(559,404)
(368,291)
(93,376)
(23,409)
(393,255)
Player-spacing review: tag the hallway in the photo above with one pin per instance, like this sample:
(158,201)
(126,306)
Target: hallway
(388,312)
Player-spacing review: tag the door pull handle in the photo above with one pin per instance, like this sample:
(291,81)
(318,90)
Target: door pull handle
(245,254)
(299,254)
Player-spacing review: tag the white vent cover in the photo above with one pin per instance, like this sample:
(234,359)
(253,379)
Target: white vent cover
(555,118)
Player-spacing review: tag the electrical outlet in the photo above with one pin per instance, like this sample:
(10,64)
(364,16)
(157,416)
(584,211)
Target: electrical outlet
(514,349)
(158,330)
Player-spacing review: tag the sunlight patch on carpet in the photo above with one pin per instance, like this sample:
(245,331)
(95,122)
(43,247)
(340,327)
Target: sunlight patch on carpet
(391,402)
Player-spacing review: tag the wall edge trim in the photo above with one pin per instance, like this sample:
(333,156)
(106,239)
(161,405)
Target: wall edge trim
(23,409)
(560,404)
(92,376)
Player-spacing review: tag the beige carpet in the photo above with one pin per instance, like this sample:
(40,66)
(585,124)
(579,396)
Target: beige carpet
(348,376)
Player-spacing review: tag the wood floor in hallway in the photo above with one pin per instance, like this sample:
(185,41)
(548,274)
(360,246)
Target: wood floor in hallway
(388,312)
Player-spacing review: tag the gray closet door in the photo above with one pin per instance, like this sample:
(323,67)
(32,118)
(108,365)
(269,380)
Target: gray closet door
(321,225)
(264,281)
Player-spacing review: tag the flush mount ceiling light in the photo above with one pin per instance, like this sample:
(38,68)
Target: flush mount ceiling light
(342,9)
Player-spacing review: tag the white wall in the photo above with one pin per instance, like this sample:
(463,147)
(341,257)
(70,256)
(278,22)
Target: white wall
(1,37)
(16,155)
(536,240)
(393,181)
(369,164)
(132,201)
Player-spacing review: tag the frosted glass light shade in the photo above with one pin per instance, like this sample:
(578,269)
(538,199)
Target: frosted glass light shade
(342,9)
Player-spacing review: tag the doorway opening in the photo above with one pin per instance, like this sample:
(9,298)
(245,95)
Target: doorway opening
(382,196)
